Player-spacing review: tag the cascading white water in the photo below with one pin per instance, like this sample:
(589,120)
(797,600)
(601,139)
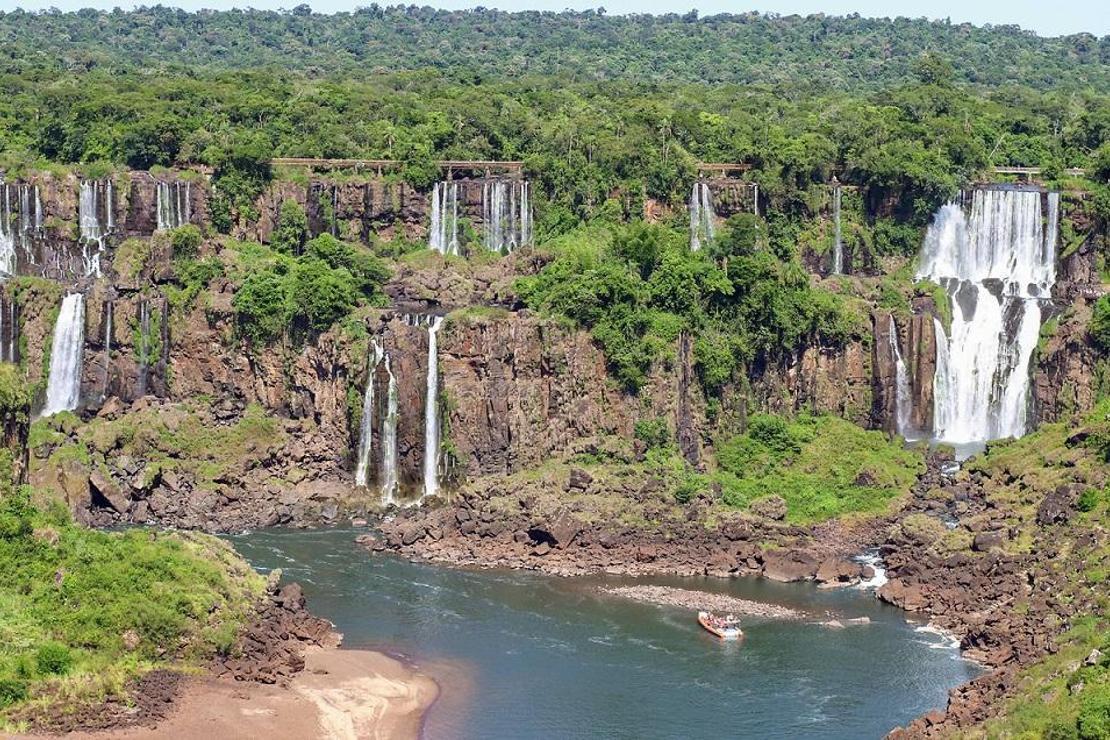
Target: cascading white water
(506,215)
(997,266)
(443,236)
(431,413)
(7,234)
(702,216)
(63,386)
(174,204)
(366,426)
(389,437)
(93,231)
(838,244)
(902,394)
(755,198)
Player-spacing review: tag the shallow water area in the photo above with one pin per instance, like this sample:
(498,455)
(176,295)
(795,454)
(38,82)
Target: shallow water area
(520,654)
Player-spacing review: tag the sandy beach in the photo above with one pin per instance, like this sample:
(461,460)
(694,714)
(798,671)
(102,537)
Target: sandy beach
(341,695)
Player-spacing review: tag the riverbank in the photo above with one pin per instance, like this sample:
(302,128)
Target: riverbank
(340,695)
(1001,555)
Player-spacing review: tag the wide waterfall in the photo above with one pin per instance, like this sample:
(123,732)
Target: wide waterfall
(96,197)
(174,206)
(64,384)
(443,236)
(389,438)
(431,413)
(506,214)
(997,265)
(838,243)
(702,228)
(902,395)
(366,427)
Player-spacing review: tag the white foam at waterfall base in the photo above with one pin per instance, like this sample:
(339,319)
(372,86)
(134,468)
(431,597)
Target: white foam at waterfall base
(996,264)
(63,385)
(431,414)
(876,581)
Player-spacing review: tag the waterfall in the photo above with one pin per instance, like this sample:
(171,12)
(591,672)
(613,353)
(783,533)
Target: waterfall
(903,401)
(92,231)
(9,329)
(64,384)
(838,245)
(144,349)
(174,204)
(997,265)
(7,235)
(389,437)
(366,427)
(506,215)
(443,236)
(107,347)
(701,216)
(431,414)
(755,198)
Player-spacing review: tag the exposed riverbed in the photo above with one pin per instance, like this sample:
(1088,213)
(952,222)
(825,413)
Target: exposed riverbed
(525,655)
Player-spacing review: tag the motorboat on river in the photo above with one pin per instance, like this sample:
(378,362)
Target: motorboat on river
(726,628)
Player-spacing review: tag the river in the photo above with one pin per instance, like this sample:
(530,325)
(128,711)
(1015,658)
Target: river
(523,655)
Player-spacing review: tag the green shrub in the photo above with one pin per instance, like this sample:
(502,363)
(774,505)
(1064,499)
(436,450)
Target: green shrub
(1089,499)
(1094,713)
(292,228)
(321,295)
(185,241)
(12,690)
(53,658)
(262,310)
(1099,328)
(653,432)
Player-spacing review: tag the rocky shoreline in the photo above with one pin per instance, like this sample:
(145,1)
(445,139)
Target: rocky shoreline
(970,593)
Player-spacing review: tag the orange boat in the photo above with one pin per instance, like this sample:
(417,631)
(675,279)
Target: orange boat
(726,628)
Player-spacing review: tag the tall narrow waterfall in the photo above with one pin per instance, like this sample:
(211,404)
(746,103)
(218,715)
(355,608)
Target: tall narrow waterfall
(174,206)
(997,265)
(838,244)
(95,200)
(108,308)
(63,386)
(7,236)
(366,426)
(755,198)
(506,214)
(431,413)
(902,395)
(702,216)
(443,236)
(389,438)
(9,329)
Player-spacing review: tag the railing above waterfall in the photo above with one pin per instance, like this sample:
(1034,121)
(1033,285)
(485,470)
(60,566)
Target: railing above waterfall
(487,167)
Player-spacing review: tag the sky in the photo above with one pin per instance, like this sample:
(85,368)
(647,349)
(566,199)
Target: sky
(1043,16)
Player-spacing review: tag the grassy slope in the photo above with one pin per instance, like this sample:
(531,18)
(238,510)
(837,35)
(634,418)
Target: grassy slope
(82,612)
(1061,697)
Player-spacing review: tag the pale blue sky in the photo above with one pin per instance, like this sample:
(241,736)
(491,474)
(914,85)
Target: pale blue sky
(1046,17)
